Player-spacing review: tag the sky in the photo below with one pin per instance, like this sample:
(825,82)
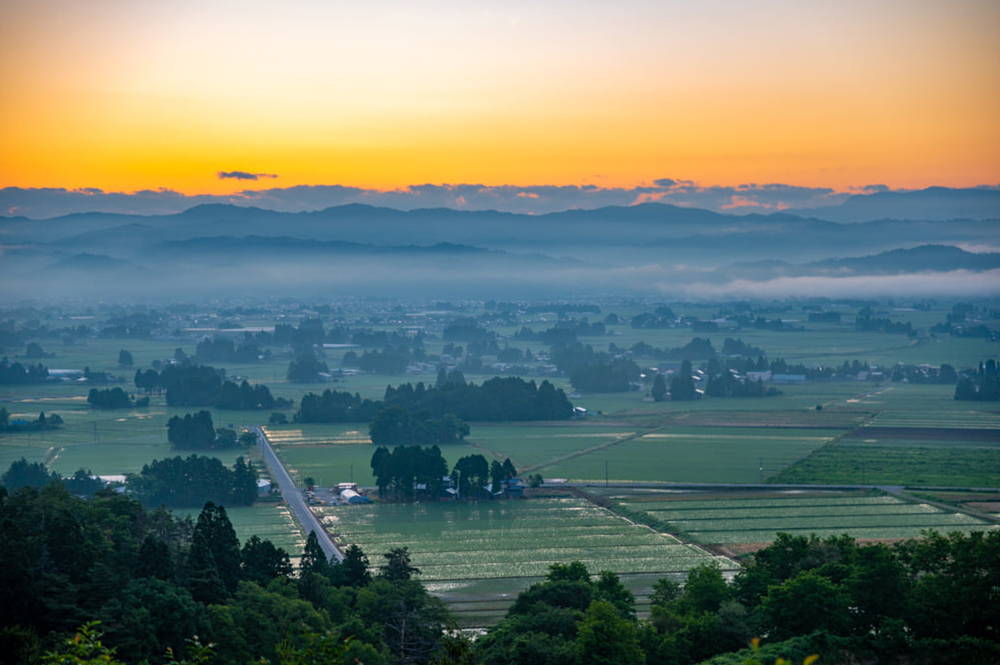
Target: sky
(606,101)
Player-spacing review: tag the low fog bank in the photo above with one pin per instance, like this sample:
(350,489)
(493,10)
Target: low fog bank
(475,277)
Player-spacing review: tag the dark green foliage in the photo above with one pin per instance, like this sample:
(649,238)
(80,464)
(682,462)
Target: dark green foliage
(605,638)
(394,425)
(353,570)
(313,559)
(397,567)
(82,483)
(66,563)
(155,559)
(306,368)
(125,358)
(399,473)
(192,432)
(497,399)
(214,526)
(224,350)
(40,424)
(17,374)
(682,385)
(245,397)
(983,385)
(190,482)
(149,616)
(23,473)
(867,320)
(261,561)
(545,623)
(336,407)
(699,348)
(111,398)
(659,392)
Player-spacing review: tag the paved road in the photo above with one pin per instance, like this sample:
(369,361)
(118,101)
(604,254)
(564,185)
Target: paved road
(293,497)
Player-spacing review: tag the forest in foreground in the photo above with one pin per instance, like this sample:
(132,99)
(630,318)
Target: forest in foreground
(104,580)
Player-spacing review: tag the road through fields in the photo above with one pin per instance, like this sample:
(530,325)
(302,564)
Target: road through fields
(293,497)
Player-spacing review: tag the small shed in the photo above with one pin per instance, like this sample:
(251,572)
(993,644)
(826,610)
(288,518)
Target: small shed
(263,487)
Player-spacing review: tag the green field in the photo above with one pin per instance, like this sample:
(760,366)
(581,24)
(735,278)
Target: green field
(702,455)
(744,521)
(476,555)
(873,462)
(269,521)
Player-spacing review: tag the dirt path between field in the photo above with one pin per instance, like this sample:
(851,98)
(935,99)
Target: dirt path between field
(592,449)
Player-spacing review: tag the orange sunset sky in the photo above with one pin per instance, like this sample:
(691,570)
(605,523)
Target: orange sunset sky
(126,95)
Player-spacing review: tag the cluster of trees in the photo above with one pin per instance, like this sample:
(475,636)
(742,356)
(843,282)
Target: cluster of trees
(928,601)
(154,582)
(466,330)
(335,406)
(699,348)
(682,388)
(204,385)
(39,424)
(223,349)
(497,399)
(179,482)
(113,398)
(412,472)
(15,374)
(595,371)
(306,367)
(395,425)
(132,325)
(196,432)
(245,397)
(981,385)
(945,374)
(390,360)
(615,375)
(868,321)
(661,317)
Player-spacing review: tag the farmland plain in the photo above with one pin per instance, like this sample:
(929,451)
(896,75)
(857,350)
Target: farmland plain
(757,520)
(843,432)
(479,555)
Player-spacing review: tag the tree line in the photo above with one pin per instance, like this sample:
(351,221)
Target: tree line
(154,581)
(196,432)
(40,424)
(178,482)
(409,473)
(113,398)
(497,399)
(204,385)
(981,385)
(15,374)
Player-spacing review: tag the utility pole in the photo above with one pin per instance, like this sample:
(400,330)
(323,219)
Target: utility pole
(605,473)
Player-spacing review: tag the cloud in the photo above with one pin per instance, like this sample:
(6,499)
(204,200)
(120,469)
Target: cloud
(244,175)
